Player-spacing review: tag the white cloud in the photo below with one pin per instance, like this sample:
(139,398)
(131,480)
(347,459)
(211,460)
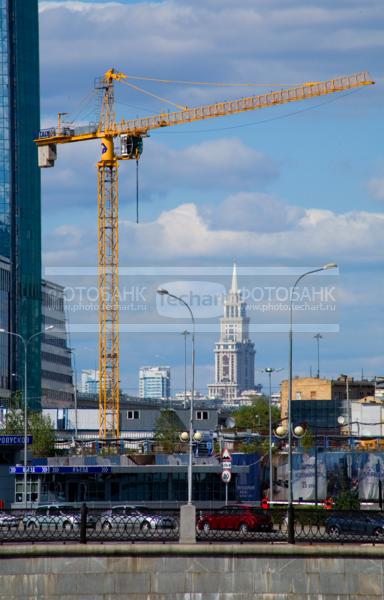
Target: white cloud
(211,41)
(221,165)
(183,233)
(259,211)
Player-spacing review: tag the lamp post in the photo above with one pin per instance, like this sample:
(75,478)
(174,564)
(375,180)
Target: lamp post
(74,371)
(164,292)
(348,401)
(185,333)
(290,499)
(318,337)
(26,342)
(269,371)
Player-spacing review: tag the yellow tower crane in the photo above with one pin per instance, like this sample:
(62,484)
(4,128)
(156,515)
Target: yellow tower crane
(131,133)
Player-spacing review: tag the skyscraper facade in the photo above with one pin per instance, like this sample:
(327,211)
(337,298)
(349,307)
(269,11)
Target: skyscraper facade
(90,381)
(5,291)
(155,382)
(20,213)
(56,359)
(234,352)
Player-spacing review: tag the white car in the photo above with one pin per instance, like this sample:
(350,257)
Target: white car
(133,518)
(52,516)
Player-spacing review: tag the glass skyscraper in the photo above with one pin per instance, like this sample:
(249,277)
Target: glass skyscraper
(20,213)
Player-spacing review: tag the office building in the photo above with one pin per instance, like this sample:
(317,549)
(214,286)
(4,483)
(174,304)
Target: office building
(155,382)
(56,359)
(234,352)
(90,381)
(318,403)
(20,219)
(5,291)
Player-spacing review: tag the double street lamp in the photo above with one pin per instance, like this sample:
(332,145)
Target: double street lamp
(269,371)
(26,342)
(164,292)
(290,498)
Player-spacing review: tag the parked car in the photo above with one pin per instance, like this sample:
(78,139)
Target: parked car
(354,523)
(135,518)
(56,516)
(8,520)
(236,517)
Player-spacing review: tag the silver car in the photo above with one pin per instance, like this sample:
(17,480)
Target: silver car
(134,518)
(7,520)
(51,516)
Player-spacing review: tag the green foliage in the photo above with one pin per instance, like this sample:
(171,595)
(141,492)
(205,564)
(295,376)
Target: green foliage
(256,416)
(347,500)
(168,427)
(308,440)
(16,400)
(43,434)
(249,447)
(39,426)
(14,422)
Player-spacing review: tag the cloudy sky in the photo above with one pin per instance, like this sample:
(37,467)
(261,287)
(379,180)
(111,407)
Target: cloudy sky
(292,186)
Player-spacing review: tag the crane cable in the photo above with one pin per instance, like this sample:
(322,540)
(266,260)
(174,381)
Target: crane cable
(135,87)
(218,84)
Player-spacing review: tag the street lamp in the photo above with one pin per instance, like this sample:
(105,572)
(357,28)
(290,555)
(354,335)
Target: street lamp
(269,371)
(318,337)
(185,333)
(26,342)
(164,292)
(290,499)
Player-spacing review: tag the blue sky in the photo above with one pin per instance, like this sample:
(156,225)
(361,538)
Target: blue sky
(296,186)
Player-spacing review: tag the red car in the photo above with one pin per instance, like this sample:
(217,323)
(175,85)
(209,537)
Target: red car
(238,517)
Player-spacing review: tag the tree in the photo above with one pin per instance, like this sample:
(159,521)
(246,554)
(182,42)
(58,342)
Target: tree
(43,434)
(256,416)
(168,427)
(40,428)
(308,440)
(348,500)
(13,423)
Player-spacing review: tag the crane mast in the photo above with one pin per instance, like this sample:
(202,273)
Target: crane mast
(108,270)
(131,133)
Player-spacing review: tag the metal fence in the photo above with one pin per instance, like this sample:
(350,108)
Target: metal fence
(131,525)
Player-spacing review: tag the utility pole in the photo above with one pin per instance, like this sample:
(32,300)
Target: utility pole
(318,337)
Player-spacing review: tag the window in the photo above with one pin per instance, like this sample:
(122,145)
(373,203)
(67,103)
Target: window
(133,414)
(202,415)
(313,395)
(298,395)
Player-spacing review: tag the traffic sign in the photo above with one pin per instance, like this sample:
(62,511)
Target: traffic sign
(226,454)
(227,464)
(226,476)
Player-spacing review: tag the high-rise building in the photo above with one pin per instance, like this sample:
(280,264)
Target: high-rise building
(5,292)
(234,352)
(56,363)
(90,381)
(155,382)
(20,219)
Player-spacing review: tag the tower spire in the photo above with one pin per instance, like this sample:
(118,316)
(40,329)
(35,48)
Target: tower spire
(234,288)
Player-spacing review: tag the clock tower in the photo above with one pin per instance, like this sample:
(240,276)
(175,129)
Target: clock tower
(234,352)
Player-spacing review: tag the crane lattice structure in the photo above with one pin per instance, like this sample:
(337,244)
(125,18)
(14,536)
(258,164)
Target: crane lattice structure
(131,134)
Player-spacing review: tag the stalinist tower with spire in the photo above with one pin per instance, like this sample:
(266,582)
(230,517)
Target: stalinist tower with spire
(234,352)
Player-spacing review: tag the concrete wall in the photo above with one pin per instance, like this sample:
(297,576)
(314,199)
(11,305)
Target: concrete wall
(194,572)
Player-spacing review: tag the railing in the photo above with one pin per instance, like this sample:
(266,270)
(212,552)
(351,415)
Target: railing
(60,525)
(310,525)
(256,526)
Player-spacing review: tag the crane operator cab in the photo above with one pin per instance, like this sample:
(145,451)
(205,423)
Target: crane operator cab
(131,146)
